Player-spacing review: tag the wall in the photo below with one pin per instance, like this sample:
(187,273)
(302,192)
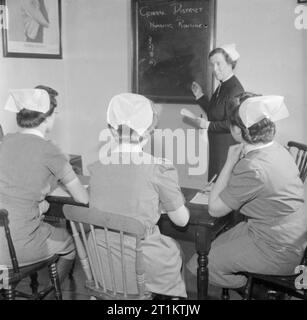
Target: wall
(272,53)
(305,85)
(271,58)
(305,99)
(97,65)
(27,73)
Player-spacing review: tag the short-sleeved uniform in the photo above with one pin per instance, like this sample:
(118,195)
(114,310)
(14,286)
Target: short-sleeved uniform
(266,187)
(137,190)
(29,167)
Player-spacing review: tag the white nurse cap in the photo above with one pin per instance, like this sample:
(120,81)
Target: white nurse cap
(132,110)
(231,51)
(30,99)
(254,109)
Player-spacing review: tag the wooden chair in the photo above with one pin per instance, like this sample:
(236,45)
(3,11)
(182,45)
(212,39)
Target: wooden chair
(11,276)
(287,284)
(299,151)
(92,219)
(277,284)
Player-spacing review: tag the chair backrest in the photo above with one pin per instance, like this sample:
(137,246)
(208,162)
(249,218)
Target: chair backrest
(4,221)
(299,151)
(304,258)
(102,249)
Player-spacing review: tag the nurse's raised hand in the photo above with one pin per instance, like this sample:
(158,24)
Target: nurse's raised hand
(234,154)
(197,90)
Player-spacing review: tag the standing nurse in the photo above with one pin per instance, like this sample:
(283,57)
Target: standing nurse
(223,61)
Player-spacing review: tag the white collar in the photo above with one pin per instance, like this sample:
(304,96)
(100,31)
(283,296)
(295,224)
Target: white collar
(250,147)
(127,147)
(230,76)
(33,131)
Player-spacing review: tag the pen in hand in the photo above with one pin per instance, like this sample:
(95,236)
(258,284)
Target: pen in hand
(209,184)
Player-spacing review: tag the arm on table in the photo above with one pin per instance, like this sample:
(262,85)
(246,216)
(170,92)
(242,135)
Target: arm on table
(77,190)
(217,208)
(180,216)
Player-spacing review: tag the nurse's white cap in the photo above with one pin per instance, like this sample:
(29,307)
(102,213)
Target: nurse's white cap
(30,99)
(231,50)
(132,110)
(255,109)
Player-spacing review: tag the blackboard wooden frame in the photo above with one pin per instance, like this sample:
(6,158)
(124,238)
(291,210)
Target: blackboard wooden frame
(206,75)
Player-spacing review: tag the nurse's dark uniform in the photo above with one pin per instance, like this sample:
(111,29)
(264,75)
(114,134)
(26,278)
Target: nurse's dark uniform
(217,110)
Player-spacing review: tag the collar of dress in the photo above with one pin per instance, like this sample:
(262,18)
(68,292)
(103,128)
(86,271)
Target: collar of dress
(230,76)
(250,147)
(34,132)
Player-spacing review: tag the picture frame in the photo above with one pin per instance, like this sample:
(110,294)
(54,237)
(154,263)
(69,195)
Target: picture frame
(171,43)
(32,29)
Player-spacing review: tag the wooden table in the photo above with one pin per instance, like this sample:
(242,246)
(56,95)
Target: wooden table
(201,230)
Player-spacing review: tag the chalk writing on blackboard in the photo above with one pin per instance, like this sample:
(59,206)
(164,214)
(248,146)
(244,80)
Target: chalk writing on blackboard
(172,42)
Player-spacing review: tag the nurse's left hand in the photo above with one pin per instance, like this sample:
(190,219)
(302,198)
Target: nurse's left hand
(201,123)
(234,154)
(43,207)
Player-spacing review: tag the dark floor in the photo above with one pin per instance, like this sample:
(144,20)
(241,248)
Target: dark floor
(74,289)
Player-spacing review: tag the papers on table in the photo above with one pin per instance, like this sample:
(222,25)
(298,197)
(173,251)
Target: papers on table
(200,198)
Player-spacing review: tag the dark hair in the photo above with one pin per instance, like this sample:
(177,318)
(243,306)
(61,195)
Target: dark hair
(32,119)
(260,132)
(225,54)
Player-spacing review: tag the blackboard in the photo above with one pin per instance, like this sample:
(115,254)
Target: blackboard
(171,43)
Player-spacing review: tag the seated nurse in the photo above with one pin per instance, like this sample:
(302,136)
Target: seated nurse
(30,167)
(130,182)
(260,178)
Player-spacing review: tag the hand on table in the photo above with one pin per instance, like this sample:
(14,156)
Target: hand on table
(43,207)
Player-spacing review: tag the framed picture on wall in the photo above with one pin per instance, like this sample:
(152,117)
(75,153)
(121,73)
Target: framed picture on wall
(171,43)
(32,29)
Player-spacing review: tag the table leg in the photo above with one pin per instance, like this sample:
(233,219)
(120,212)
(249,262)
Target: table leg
(203,245)
(202,277)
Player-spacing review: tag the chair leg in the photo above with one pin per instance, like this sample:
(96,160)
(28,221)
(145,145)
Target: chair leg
(71,272)
(305,294)
(55,281)
(9,293)
(248,289)
(225,294)
(183,267)
(34,283)
(272,295)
